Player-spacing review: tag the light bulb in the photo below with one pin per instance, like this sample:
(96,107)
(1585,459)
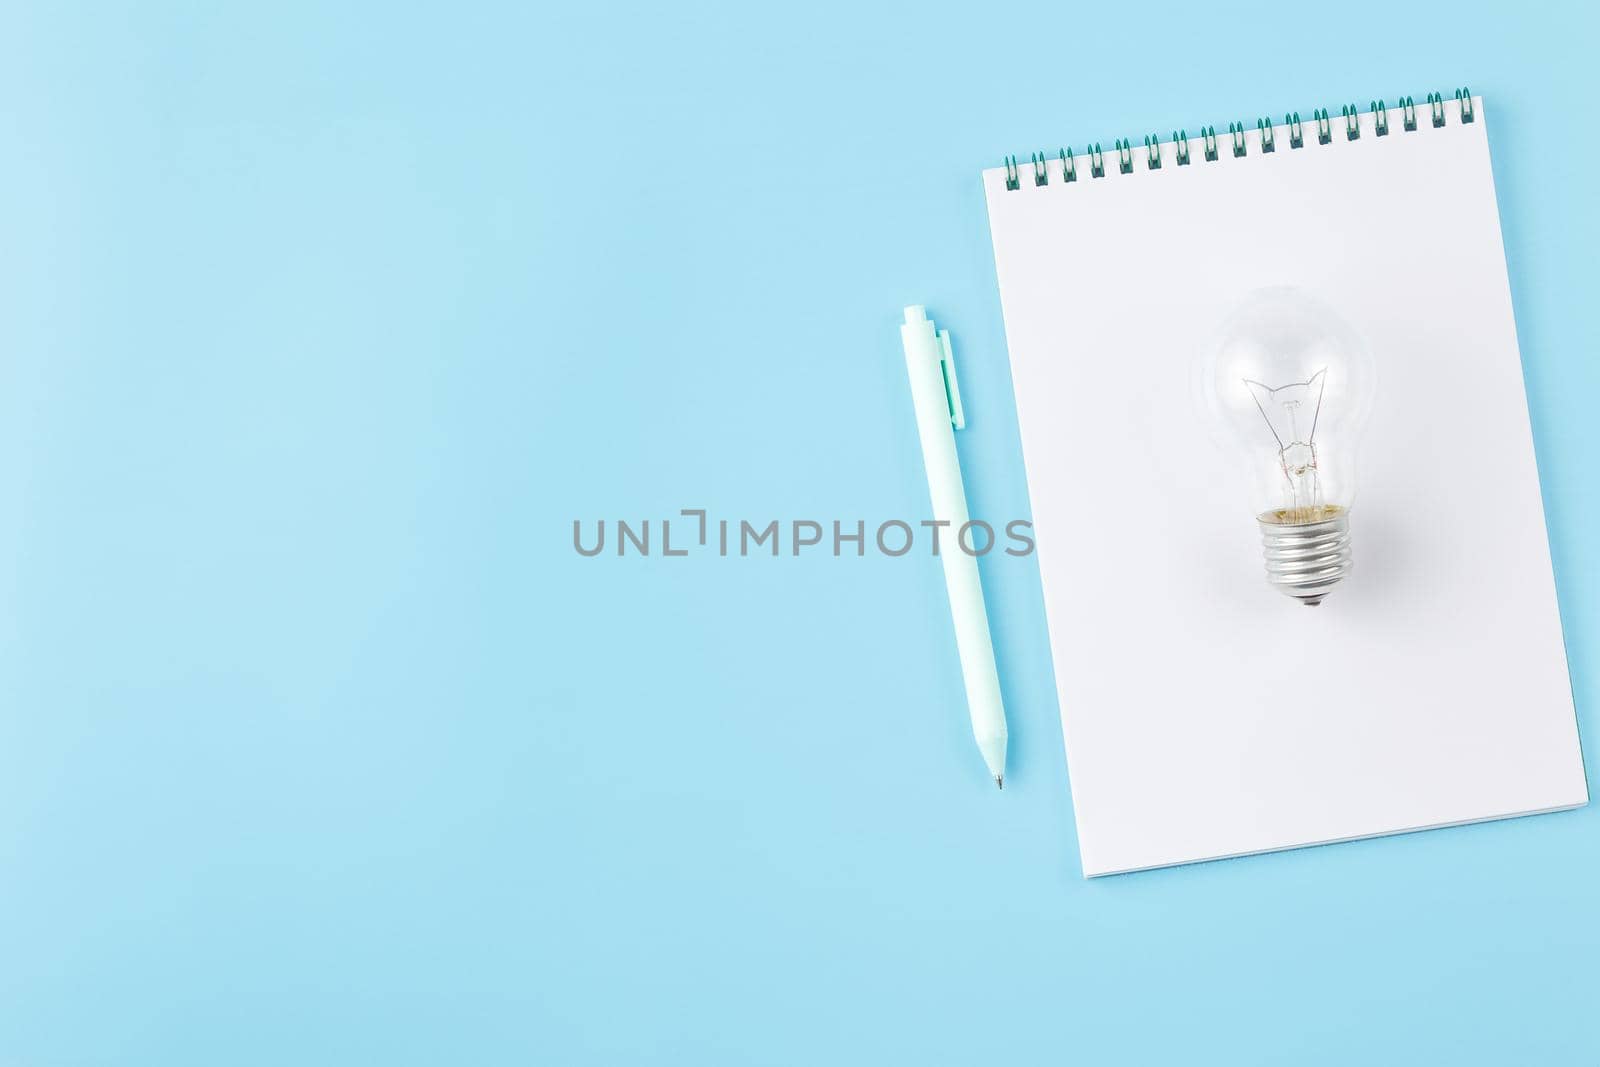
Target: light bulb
(1292,382)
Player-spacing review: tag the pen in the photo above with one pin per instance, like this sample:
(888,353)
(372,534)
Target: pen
(937,399)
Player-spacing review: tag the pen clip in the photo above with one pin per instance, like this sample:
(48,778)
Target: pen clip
(952,388)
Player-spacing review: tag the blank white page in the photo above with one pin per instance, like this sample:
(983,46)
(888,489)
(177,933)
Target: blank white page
(1206,714)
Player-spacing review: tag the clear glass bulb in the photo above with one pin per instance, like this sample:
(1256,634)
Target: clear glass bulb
(1292,382)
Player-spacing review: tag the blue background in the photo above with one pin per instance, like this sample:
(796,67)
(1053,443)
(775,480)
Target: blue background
(320,744)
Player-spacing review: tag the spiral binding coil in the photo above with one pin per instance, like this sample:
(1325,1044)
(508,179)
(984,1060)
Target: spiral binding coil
(1350,120)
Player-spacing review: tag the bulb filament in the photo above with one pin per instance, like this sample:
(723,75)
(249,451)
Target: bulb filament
(1291,413)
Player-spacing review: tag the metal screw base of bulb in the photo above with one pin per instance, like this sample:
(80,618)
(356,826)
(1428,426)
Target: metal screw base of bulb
(1307,560)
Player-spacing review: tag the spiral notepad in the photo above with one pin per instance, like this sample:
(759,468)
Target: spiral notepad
(1204,713)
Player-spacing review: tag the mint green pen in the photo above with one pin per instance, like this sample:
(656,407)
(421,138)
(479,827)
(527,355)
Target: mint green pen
(937,399)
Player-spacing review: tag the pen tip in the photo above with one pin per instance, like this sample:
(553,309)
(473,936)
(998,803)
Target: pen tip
(1000,780)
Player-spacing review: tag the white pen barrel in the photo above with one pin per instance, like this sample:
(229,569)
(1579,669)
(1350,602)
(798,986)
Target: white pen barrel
(973,642)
